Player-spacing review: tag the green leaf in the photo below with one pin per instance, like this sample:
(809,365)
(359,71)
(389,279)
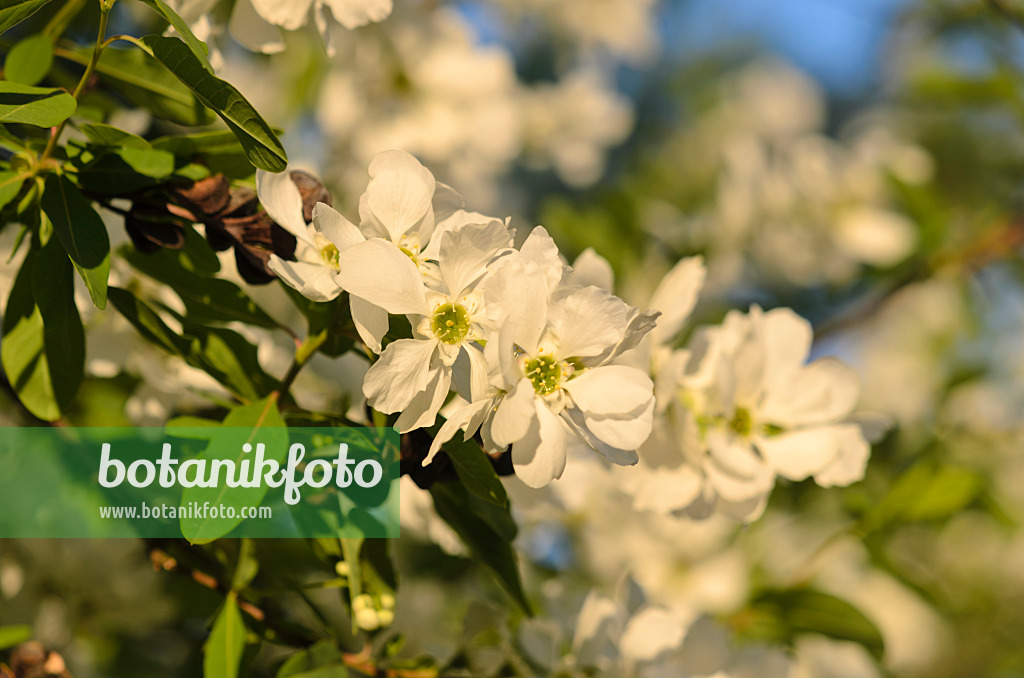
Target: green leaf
(10,186)
(476,471)
(795,612)
(144,82)
(29,61)
(240,427)
(197,47)
(107,135)
(207,300)
(322,660)
(224,648)
(13,12)
(81,231)
(457,508)
(43,347)
(147,322)
(39,106)
(14,635)
(247,565)
(219,150)
(261,145)
(926,492)
(229,358)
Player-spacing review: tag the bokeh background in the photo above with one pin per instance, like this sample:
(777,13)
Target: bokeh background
(857,160)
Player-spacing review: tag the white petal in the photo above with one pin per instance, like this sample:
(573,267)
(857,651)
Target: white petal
(288,14)
(596,627)
(355,13)
(399,192)
(735,471)
(665,490)
(612,390)
(822,392)
(470,374)
(380,273)
(617,406)
(466,251)
(650,633)
(423,408)
(313,281)
(460,419)
(281,198)
(676,296)
(786,341)
(252,31)
(539,456)
(612,429)
(591,269)
(585,322)
(403,370)
(798,454)
(515,414)
(335,227)
(371,322)
(850,461)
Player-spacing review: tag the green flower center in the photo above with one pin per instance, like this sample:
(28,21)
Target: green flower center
(450,323)
(329,253)
(741,423)
(545,373)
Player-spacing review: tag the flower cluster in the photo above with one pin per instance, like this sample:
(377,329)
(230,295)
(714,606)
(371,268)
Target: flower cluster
(541,354)
(530,349)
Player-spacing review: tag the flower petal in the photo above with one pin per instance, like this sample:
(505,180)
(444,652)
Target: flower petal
(822,392)
(460,419)
(423,408)
(253,31)
(355,13)
(798,454)
(676,296)
(466,252)
(850,461)
(281,198)
(288,14)
(403,370)
(400,192)
(313,281)
(514,415)
(377,271)
(539,456)
(335,227)
(371,322)
(591,269)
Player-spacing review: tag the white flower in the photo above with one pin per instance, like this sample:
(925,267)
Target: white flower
(446,307)
(293,14)
(550,369)
(744,408)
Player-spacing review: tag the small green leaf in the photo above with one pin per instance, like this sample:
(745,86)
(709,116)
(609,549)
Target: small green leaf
(14,635)
(39,106)
(43,347)
(144,82)
(147,322)
(29,61)
(106,135)
(207,300)
(799,611)
(13,12)
(81,231)
(240,427)
(197,47)
(322,660)
(475,471)
(457,508)
(10,186)
(224,648)
(261,145)
(247,565)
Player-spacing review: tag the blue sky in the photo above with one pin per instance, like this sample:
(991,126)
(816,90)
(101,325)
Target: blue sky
(841,42)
